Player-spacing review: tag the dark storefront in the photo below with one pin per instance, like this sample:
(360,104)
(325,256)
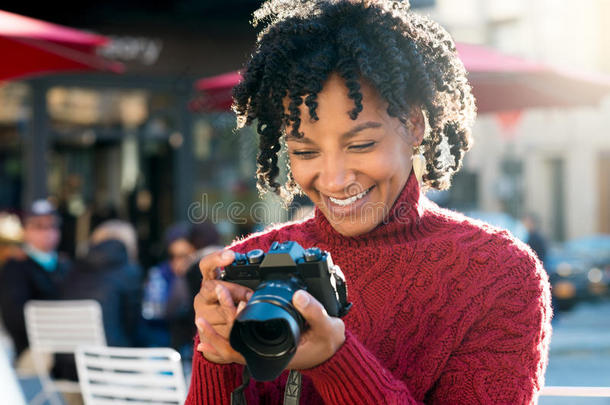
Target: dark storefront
(105,145)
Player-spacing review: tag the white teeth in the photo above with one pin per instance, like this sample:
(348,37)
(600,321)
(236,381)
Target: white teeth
(350,200)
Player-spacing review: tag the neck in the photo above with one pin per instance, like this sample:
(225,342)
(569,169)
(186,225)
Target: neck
(47,260)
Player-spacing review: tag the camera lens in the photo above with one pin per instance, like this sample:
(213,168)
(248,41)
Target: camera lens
(271,332)
(267,331)
(269,338)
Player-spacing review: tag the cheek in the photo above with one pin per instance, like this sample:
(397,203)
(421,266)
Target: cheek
(387,166)
(53,238)
(301,172)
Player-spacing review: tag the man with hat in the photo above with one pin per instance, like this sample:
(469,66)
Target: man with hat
(35,276)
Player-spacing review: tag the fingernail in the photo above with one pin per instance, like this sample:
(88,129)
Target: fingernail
(218,291)
(227,254)
(241,306)
(199,324)
(249,295)
(301,299)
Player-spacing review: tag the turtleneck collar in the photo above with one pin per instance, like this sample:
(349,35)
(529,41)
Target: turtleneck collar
(400,225)
(46,260)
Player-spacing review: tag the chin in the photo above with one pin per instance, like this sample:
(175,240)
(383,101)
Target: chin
(351,230)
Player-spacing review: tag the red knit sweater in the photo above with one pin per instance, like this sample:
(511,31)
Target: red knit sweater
(446,310)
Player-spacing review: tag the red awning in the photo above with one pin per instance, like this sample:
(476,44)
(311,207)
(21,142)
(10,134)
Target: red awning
(503,82)
(32,47)
(215,93)
(500,82)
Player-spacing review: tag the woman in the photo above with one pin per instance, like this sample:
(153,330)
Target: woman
(445,309)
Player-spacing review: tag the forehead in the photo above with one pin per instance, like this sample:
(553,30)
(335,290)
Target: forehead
(334,104)
(41,220)
(180,244)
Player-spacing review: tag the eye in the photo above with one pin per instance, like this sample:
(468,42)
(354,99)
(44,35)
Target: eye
(362,146)
(303,154)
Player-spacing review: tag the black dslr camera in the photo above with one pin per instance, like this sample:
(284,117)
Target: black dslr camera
(268,330)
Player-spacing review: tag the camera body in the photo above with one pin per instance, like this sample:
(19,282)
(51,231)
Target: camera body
(268,329)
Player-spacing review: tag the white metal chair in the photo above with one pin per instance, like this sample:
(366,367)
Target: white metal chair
(557,391)
(59,327)
(130,376)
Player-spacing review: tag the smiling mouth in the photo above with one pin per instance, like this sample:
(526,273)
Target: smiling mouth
(350,200)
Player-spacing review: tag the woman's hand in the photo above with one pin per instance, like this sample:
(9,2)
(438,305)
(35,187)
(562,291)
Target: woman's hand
(324,337)
(216,306)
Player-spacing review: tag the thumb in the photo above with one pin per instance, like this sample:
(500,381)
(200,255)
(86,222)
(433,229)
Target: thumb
(308,306)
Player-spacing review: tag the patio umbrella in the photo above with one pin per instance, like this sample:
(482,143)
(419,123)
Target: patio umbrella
(33,47)
(500,83)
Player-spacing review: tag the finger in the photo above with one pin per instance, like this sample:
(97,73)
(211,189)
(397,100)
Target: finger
(213,261)
(224,351)
(311,309)
(209,307)
(237,292)
(225,299)
(206,306)
(206,348)
(240,307)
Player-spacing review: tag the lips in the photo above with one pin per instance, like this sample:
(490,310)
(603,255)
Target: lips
(347,206)
(347,201)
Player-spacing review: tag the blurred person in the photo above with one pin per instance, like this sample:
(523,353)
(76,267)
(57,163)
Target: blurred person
(172,284)
(373,105)
(120,230)
(535,239)
(36,276)
(159,283)
(109,274)
(201,238)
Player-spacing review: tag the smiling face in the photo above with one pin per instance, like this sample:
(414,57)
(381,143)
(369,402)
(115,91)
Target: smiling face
(353,170)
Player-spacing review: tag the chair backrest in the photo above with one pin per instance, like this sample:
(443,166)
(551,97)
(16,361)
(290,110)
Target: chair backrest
(562,391)
(61,326)
(121,375)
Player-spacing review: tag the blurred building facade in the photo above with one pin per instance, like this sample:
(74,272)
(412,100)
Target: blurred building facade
(129,146)
(552,162)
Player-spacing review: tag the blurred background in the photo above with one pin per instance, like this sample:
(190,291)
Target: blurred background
(144,134)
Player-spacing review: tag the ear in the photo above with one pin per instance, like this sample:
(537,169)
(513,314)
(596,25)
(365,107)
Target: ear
(416,125)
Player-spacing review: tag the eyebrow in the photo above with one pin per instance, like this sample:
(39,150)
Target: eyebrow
(345,136)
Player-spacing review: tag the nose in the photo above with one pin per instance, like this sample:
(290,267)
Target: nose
(336,175)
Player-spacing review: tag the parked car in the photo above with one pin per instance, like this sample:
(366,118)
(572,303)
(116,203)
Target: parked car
(579,270)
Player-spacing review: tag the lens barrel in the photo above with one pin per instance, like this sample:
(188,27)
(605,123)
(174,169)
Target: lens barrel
(268,330)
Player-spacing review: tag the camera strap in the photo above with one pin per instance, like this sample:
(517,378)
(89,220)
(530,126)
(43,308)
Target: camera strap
(292,392)
(345,306)
(237,396)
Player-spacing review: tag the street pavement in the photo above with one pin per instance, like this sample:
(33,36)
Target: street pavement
(580,352)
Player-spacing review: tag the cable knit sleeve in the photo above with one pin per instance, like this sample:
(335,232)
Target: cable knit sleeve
(354,376)
(213,383)
(503,356)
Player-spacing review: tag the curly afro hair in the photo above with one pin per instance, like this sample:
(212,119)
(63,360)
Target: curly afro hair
(409,59)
